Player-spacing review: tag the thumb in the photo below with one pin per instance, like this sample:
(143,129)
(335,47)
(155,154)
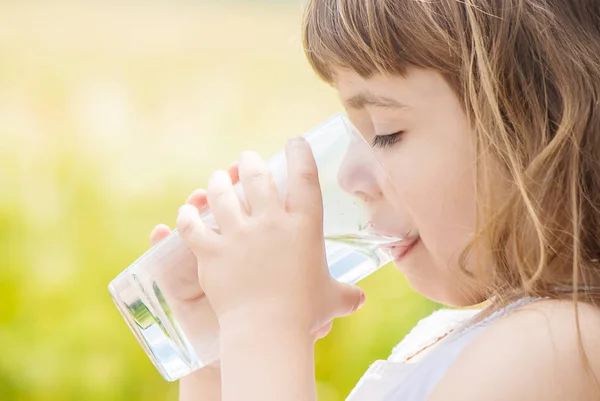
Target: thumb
(350,299)
(159,233)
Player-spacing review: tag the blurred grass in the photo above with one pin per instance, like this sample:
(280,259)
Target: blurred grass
(110,114)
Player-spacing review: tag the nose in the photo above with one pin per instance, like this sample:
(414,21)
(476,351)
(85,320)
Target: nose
(358,172)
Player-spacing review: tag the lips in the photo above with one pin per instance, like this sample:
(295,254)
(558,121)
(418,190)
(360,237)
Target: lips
(380,229)
(400,249)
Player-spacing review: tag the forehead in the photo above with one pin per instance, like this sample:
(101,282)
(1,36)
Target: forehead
(417,87)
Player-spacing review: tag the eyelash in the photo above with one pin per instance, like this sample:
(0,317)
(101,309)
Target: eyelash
(386,141)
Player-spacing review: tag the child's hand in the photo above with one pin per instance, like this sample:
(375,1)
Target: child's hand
(185,296)
(196,317)
(180,287)
(268,263)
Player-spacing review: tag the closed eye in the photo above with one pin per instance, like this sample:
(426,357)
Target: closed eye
(386,141)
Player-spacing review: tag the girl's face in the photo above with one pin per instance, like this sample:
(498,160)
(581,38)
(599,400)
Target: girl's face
(422,139)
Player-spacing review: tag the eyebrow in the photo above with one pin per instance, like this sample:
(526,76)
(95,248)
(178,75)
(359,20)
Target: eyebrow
(363,99)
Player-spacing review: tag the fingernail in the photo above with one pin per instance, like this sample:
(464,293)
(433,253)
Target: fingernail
(362,301)
(296,139)
(249,154)
(220,174)
(218,177)
(183,208)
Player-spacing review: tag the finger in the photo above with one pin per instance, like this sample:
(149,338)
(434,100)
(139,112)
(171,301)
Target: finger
(350,298)
(259,188)
(234,172)
(198,199)
(224,202)
(323,331)
(193,230)
(303,190)
(158,233)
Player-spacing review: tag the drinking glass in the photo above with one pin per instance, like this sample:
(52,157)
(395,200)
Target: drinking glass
(155,294)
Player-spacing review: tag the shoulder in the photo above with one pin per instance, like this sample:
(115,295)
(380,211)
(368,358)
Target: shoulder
(429,331)
(532,354)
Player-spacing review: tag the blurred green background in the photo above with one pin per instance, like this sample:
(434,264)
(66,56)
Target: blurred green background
(110,114)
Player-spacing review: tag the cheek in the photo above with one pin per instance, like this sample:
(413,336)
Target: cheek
(448,215)
(435,185)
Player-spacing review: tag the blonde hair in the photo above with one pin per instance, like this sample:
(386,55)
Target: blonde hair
(528,75)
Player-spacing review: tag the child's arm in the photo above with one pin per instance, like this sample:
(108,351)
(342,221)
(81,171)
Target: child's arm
(205,384)
(268,361)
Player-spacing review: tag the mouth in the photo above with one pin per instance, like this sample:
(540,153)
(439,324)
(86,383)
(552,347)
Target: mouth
(402,245)
(402,248)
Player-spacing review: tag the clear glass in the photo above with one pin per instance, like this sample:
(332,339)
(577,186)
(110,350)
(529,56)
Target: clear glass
(177,328)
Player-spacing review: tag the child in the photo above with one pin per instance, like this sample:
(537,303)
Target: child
(485,114)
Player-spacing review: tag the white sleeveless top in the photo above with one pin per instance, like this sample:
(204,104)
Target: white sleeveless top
(407,378)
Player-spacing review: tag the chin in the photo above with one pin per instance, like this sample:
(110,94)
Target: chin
(447,298)
(443,289)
